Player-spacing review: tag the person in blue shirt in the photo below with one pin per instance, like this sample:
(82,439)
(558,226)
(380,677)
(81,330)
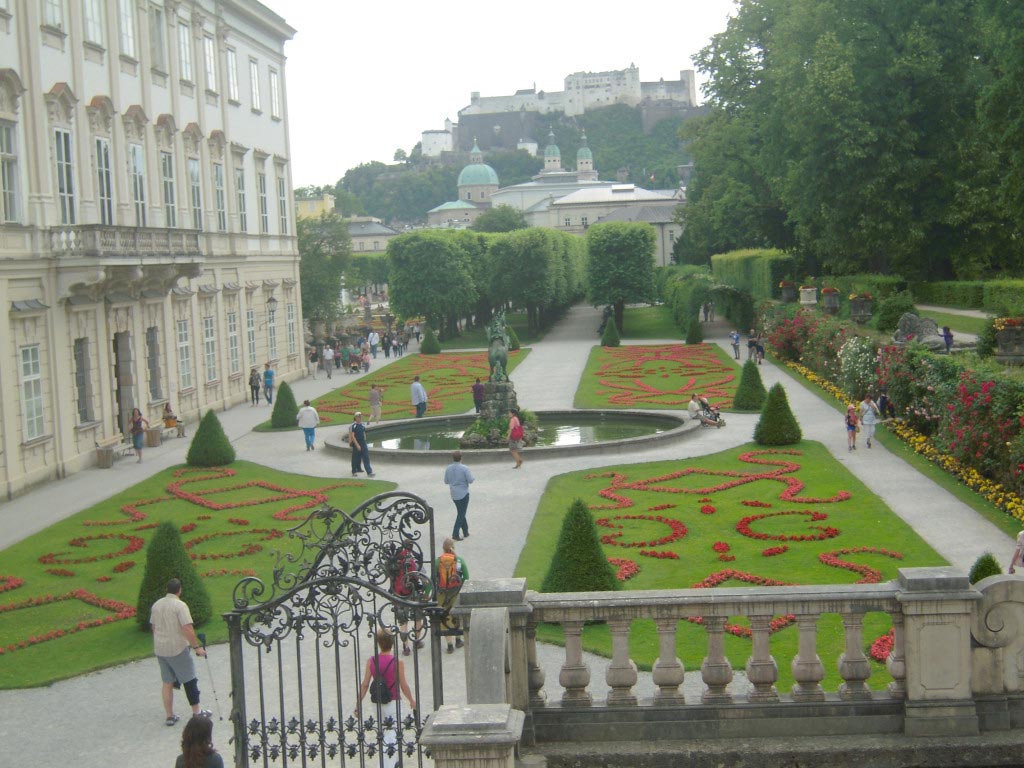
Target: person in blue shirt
(268,383)
(734,339)
(458,477)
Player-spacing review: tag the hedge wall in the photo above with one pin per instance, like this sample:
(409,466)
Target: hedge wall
(758,271)
(878,286)
(967,294)
(1004,296)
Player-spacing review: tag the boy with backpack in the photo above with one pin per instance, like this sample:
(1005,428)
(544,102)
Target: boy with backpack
(452,573)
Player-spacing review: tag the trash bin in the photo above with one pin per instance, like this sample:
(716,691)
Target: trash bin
(104,458)
(154,436)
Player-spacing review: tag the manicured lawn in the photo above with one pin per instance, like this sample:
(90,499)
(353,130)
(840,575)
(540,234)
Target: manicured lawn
(659,376)
(736,507)
(649,323)
(76,583)
(447,378)
(957,323)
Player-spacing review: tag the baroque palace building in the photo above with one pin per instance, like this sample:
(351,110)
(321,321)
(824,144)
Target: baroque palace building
(147,240)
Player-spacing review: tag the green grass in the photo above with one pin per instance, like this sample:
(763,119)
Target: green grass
(114,643)
(447,377)
(649,323)
(862,521)
(957,323)
(476,338)
(656,376)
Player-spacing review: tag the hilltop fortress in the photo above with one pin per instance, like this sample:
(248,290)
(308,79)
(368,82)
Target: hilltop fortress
(510,122)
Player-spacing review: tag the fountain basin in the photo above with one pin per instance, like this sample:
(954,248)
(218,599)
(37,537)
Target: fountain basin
(567,432)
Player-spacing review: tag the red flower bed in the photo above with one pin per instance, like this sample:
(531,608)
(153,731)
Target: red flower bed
(64,573)
(7,583)
(882,647)
(134,545)
(123,566)
(744,529)
(868,574)
(773,551)
(251,548)
(118,611)
(662,555)
(625,569)
(720,546)
(678,531)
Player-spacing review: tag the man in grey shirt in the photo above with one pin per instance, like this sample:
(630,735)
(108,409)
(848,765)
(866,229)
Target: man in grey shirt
(458,477)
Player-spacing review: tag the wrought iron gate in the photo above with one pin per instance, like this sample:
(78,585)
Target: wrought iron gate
(300,645)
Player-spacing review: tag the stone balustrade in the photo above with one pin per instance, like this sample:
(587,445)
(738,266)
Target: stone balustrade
(100,241)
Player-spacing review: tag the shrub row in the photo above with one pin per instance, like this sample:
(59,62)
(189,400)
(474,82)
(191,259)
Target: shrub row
(684,289)
(757,271)
(993,295)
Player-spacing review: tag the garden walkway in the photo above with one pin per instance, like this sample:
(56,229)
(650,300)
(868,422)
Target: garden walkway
(114,717)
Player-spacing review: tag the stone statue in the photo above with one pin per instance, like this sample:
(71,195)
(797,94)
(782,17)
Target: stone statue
(922,330)
(497,351)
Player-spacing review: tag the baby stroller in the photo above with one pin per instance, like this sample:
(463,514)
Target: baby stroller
(709,415)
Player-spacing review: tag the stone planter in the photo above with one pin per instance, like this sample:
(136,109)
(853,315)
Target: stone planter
(788,293)
(830,303)
(860,310)
(809,296)
(1010,346)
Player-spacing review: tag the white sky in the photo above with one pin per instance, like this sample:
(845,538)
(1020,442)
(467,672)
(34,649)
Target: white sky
(365,78)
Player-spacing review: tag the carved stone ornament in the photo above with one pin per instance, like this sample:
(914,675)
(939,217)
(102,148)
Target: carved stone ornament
(10,91)
(135,120)
(165,130)
(191,137)
(217,143)
(60,104)
(101,115)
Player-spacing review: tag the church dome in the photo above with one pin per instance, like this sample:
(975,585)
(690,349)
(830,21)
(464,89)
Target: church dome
(584,153)
(478,174)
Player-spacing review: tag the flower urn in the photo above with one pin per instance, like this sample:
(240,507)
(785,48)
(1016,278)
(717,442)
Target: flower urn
(788,293)
(860,309)
(1010,345)
(809,296)
(830,302)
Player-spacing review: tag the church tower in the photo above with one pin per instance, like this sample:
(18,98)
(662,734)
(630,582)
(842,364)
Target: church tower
(552,156)
(585,161)
(478,180)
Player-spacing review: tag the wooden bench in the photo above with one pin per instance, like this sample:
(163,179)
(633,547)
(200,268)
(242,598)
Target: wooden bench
(120,445)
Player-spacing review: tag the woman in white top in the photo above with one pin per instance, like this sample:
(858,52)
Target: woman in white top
(1018,553)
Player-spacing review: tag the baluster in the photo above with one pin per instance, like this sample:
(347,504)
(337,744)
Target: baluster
(716,670)
(853,664)
(535,675)
(896,663)
(808,671)
(762,670)
(575,675)
(668,671)
(621,674)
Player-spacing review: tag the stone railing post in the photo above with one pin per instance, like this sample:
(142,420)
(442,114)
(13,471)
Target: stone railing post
(668,672)
(510,594)
(621,675)
(808,671)
(716,671)
(937,607)
(479,735)
(762,670)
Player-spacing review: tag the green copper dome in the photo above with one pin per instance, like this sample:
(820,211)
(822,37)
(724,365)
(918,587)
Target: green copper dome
(584,153)
(478,174)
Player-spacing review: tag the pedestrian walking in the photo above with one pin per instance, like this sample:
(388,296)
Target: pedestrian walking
(419,397)
(478,396)
(373,340)
(197,745)
(458,479)
(376,403)
(174,640)
(851,428)
(268,383)
(869,416)
(1018,553)
(357,438)
(307,418)
(752,345)
(452,573)
(138,433)
(254,386)
(328,359)
(515,437)
(313,358)
(947,337)
(734,339)
(385,666)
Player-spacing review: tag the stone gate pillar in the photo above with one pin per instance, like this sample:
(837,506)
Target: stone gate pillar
(937,606)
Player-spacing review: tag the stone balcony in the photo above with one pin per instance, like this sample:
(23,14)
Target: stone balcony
(98,241)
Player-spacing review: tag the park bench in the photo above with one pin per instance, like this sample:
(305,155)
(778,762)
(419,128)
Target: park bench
(110,448)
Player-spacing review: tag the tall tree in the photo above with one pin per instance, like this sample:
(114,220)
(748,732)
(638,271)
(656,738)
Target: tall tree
(324,252)
(501,218)
(620,264)
(430,275)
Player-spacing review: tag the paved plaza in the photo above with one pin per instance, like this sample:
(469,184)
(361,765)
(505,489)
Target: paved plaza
(114,717)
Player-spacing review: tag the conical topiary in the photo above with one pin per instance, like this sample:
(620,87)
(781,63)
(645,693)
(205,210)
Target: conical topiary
(750,393)
(166,559)
(694,335)
(210,447)
(983,567)
(513,338)
(285,407)
(430,345)
(579,564)
(610,334)
(777,425)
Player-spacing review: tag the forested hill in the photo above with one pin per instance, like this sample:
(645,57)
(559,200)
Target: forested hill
(404,192)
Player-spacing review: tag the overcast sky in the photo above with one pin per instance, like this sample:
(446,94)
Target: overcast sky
(365,78)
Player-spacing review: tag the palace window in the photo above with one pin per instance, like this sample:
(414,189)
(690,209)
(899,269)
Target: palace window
(184,51)
(261,196)
(234,353)
(153,362)
(282,205)
(104,189)
(31,392)
(65,175)
(83,393)
(250,334)
(232,75)
(275,94)
(170,199)
(290,319)
(53,13)
(156,38)
(93,21)
(243,222)
(254,83)
(210,56)
(126,16)
(9,202)
(195,193)
(184,356)
(210,347)
(219,197)
(137,177)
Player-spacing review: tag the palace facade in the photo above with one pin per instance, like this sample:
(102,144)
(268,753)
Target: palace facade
(147,241)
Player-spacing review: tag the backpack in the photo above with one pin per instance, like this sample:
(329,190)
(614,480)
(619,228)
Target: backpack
(449,575)
(401,573)
(380,691)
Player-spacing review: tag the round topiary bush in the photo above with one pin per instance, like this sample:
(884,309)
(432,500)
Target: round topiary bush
(983,567)
(210,447)
(750,393)
(166,559)
(694,335)
(610,335)
(777,425)
(892,308)
(579,564)
(430,345)
(513,339)
(285,408)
